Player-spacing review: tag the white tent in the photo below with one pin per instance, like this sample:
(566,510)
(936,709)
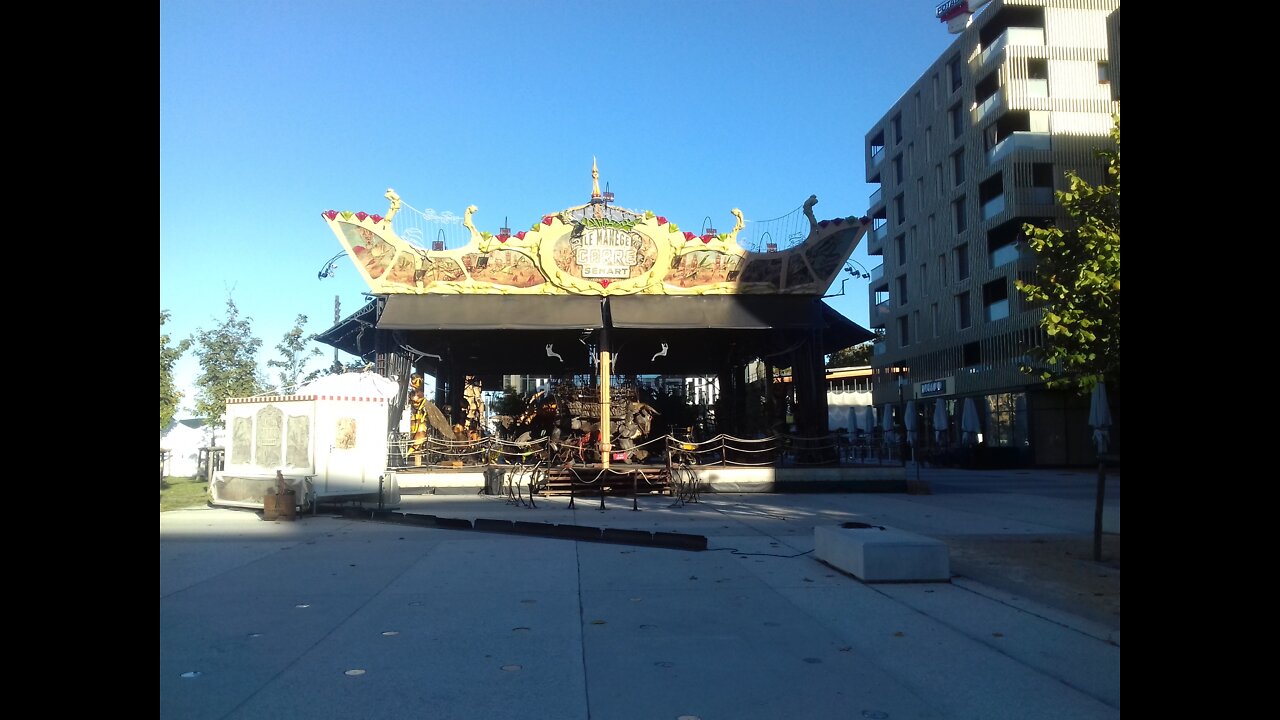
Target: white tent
(183,439)
(970,424)
(939,420)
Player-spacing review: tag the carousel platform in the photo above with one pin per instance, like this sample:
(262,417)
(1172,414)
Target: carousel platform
(620,479)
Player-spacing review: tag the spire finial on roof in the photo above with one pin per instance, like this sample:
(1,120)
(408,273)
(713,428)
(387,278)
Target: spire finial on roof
(595,179)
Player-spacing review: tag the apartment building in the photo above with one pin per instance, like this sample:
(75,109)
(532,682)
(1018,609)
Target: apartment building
(970,152)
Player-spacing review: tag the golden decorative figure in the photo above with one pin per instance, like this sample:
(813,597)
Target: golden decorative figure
(395,205)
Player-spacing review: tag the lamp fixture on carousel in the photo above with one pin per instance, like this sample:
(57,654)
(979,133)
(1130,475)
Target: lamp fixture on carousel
(861,272)
(330,266)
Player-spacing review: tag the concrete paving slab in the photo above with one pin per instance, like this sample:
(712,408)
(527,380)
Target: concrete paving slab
(333,617)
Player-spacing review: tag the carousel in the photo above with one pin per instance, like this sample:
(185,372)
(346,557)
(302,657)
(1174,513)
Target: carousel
(602,300)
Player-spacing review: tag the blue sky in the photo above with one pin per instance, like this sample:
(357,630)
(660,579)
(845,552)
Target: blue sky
(272,112)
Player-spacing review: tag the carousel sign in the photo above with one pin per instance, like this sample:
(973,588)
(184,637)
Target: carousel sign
(605,252)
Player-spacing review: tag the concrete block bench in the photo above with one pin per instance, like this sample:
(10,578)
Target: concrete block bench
(875,553)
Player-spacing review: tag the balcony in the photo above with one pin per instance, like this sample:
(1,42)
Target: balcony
(993,207)
(1004,255)
(1017,142)
(1013,36)
(877,155)
(1035,88)
(998,310)
(876,198)
(1040,196)
(877,272)
(880,348)
(988,107)
(880,314)
(878,234)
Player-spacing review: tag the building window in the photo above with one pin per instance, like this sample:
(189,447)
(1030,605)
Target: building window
(953,67)
(933,317)
(1104,77)
(902,290)
(919,194)
(963,316)
(900,244)
(904,332)
(1037,77)
(972,354)
(924,275)
(957,210)
(995,300)
(898,176)
(1006,427)
(957,166)
(919,110)
(962,262)
(900,208)
(896,124)
(937,180)
(942,270)
(937,94)
(957,121)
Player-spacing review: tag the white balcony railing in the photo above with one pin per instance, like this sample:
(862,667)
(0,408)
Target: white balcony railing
(878,233)
(877,155)
(990,105)
(1011,36)
(993,207)
(877,272)
(1036,88)
(1019,141)
(875,198)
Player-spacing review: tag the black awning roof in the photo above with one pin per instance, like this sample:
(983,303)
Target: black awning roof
(490,312)
(718,312)
(702,331)
(353,334)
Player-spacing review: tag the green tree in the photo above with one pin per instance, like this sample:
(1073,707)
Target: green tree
(1077,282)
(228,356)
(170,395)
(294,356)
(855,356)
(509,403)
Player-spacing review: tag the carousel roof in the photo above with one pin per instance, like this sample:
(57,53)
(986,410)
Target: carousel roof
(526,302)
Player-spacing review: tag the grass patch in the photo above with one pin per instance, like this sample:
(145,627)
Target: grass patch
(177,493)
